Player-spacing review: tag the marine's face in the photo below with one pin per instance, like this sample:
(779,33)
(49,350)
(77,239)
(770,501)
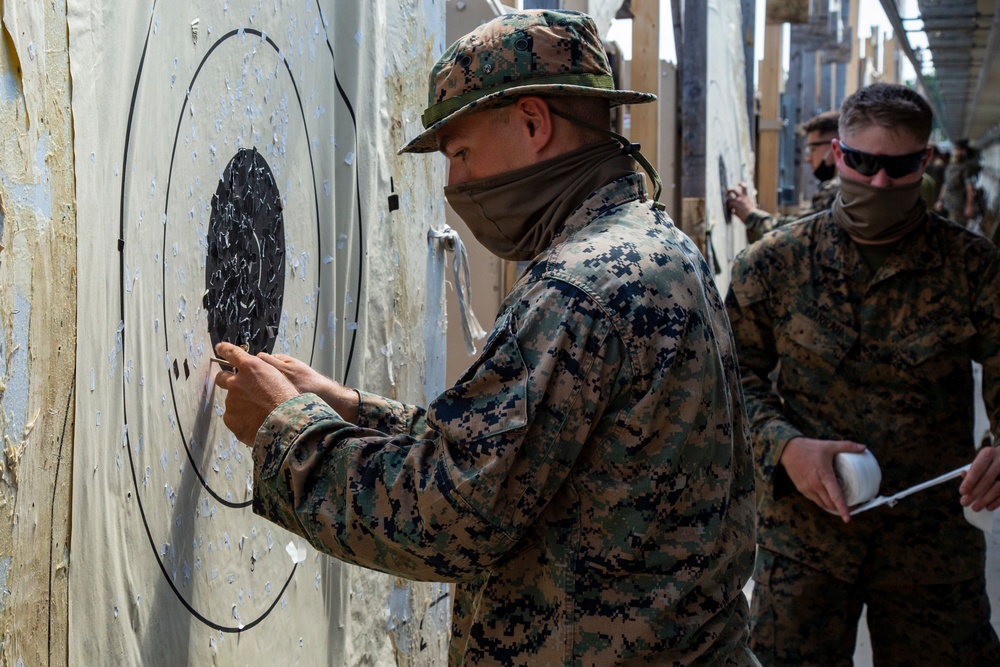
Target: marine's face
(481,145)
(857,154)
(819,149)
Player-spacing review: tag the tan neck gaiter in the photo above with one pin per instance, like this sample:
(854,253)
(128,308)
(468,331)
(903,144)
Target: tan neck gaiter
(878,215)
(516,214)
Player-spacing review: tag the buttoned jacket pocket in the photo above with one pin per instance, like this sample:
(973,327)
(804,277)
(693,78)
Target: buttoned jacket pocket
(927,348)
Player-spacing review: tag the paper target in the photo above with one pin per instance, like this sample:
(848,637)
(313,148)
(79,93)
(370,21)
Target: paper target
(226,234)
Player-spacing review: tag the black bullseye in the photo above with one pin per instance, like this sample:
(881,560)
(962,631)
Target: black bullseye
(244,270)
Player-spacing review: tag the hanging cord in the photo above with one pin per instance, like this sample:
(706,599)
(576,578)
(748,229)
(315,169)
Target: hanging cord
(450,240)
(628,148)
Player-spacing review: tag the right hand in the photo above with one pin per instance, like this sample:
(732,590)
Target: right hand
(740,202)
(254,389)
(809,464)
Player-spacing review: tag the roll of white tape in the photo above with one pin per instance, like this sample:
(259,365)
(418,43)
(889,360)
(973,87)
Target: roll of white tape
(859,476)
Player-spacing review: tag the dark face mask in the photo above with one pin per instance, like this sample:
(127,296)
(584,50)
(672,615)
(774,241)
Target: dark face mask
(824,172)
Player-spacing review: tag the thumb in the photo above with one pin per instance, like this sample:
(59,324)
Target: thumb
(850,447)
(231,353)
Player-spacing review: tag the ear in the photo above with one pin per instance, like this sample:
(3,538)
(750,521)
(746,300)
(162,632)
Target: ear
(927,158)
(838,154)
(534,118)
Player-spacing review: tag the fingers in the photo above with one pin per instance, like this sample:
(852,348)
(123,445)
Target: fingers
(836,500)
(825,491)
(275,360)
(224,379)
(233,356)
(839,502)
(809,463)
(231,353)
(980,487)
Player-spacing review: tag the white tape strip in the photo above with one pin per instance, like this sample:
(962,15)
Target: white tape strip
(471,329)
(892,500)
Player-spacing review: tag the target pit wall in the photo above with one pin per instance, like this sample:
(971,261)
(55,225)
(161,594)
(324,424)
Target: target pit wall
(51,448)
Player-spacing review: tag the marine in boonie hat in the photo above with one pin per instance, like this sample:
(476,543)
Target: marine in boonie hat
(535,52)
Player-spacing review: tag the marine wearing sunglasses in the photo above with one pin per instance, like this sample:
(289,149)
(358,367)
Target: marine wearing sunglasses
(896,166)
(881,157)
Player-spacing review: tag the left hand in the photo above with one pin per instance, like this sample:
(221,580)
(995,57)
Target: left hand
(980,487)
(254,391)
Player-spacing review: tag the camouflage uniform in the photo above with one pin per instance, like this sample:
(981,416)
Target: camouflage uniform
(957,177)
(588,482)
(760,222)
(884,360)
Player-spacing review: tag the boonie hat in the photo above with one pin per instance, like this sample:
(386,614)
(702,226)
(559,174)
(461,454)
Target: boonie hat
(534,52)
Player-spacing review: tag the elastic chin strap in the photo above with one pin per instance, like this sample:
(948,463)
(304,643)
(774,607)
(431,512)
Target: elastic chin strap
(628,148)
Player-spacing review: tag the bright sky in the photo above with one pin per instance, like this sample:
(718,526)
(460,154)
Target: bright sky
(870,14)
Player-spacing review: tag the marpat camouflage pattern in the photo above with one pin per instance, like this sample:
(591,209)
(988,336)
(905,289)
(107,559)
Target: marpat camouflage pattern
(883,360)
(588,482)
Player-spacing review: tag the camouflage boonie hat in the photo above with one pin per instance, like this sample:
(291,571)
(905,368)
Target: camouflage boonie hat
(539,52)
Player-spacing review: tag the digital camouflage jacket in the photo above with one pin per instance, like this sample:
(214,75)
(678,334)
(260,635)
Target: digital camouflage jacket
(883,360)
(760,222)
(588,482)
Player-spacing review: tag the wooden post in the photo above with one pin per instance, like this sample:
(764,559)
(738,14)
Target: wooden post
(770,118)
(749,11)
(890,62)
(853,65)
(669,149)
(692,55)
(646,75)
(871,54)
(817,99)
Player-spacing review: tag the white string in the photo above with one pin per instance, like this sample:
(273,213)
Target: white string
(450,240)
(859,476)
(893,499)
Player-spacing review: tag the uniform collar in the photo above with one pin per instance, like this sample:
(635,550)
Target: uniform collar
(607,197)
(918,251)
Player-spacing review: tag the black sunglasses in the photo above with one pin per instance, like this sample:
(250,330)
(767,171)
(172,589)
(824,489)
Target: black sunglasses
(896,166)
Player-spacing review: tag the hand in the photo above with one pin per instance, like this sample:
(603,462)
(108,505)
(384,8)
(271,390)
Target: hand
(809,464)
(343,400)
(740,202)
(980,487)
(299,373)
(255,389)
(939,206)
